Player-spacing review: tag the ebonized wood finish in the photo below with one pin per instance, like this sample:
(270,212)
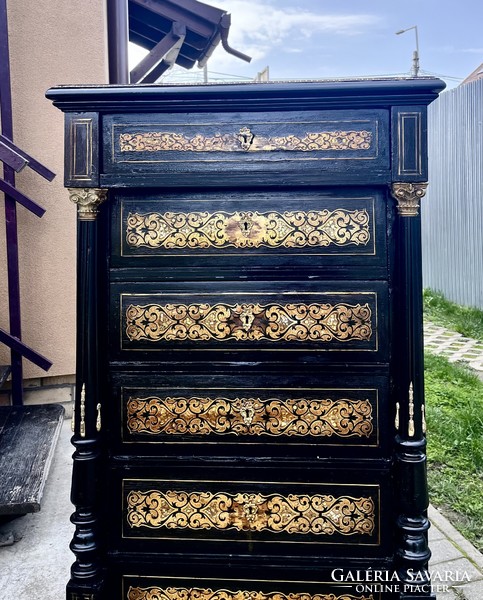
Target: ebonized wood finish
(250,402)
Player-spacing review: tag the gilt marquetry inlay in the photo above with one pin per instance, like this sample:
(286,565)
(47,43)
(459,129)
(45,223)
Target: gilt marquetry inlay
(249,229)
(294,322)
(293,514)
(249,416)
(245,140)
(175,593)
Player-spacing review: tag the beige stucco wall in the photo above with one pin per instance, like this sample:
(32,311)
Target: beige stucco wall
(51,42)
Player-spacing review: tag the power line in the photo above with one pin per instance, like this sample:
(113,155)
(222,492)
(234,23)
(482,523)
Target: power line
(442,76)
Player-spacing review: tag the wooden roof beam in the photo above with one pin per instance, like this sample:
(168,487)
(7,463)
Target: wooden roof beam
(198,17)
(161,57)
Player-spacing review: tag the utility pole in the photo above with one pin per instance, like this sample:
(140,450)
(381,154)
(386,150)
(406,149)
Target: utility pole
(416,52)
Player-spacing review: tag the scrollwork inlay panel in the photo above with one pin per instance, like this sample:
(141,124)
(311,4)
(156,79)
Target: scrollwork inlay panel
(249,416)
(294,514)
(295,322)
(249,229)
(245,141)
(172,593)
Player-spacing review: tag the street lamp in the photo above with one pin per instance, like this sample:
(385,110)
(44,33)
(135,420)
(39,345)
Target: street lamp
(416,52)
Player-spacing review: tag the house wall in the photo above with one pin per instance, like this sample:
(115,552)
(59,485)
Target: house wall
(452,211)
(52,42)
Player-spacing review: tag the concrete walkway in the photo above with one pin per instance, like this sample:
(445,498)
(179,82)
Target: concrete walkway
(456,565)
(36,566)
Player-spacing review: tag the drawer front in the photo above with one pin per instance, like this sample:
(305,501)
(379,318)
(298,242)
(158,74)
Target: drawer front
(237,142)
(249,413)
(203,588)
(337,317)
(251,513)
(249,230)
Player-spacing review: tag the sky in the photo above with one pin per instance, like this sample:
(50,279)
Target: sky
(312,39)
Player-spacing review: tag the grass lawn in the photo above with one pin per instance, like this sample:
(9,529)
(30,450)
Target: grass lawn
(465,320)
(454,405)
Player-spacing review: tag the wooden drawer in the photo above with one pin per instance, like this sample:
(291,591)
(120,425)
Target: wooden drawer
(231,509)
(135,587)
(323,318)
(255,145)
(249,413)
(248,231)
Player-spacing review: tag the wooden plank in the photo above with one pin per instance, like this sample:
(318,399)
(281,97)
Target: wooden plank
(28,437)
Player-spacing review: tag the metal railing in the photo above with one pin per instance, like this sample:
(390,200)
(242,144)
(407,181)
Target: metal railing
(14,160)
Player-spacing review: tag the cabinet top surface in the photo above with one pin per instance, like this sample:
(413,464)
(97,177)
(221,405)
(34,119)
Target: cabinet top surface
(295,95)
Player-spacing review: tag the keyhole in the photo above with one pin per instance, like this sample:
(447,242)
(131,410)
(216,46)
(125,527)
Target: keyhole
(246,225)
(247,317)
(245,137)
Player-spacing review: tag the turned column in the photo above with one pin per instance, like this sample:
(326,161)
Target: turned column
(412,494)
(86,572)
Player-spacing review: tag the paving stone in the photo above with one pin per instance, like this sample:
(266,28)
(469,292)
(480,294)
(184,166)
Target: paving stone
(451,533)
(450,594)
(454,346)
(444,551)
(470,591)
(456,572)
(435,534)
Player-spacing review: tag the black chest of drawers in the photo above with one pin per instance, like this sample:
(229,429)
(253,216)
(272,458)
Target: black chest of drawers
(249,419)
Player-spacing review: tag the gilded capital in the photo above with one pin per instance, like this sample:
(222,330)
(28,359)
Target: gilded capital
(87,201)
(408,196)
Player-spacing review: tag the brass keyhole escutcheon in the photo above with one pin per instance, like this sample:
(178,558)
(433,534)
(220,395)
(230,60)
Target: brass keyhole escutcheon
(247,317)
(250,509)
(246,224)
(247,411)
(245,137)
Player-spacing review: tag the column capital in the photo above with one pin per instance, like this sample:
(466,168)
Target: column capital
(408,196)
(87,201)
